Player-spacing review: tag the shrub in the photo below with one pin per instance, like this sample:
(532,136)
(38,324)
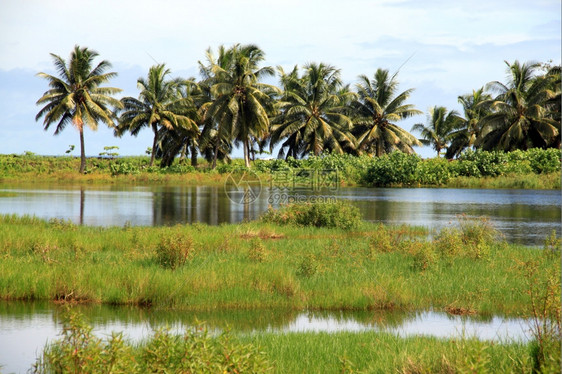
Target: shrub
(423,255)
(79,351)
(434,171)
(338,214)
(544,160)
(257,252)
(472,238)
(174,250)
(392,169)
(125,168)
(307,267)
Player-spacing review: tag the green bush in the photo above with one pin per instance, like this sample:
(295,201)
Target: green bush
(434,171)
(123,168)
(338,214)
(544,160)
(174,249)
(79,351)
(396,168)
(472,238)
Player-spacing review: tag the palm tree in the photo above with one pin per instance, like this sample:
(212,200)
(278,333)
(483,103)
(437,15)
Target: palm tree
(440,124)
(241,104)
(469,127)
(377,106)
(519,118)
(76,96)
(311,118)
(160,105)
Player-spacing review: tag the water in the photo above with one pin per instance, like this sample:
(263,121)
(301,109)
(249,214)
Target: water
(25,327)
(523,216)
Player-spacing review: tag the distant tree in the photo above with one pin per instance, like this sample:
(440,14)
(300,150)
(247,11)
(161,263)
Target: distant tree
(377,106)
(311,118)
(241,102)
(469,127)
(520,117)
(75,97)
(438,130)
(160,105)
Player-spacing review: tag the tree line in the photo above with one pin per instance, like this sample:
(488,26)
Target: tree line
(311,112)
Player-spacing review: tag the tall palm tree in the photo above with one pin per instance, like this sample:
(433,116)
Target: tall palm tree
(469,127)
(378,105)
(440,124)
(160,105)
(241,103)
(76,97)
(519,118)
(311,118)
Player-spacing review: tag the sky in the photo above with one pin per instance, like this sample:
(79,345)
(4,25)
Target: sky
(441,48)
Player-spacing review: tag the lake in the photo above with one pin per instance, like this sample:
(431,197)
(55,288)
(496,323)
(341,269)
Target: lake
(523,216)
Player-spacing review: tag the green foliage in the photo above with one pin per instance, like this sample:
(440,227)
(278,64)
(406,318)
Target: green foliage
(123,168)
(308,266)
(174,249)
(79,351)
(338,214)
(434,172)
(396,168)
(110,151)
(491,163)
(472,238)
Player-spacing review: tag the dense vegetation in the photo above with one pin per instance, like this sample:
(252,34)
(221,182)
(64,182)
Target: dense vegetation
(312,112)
(264,265)
(196,351)
(535,168)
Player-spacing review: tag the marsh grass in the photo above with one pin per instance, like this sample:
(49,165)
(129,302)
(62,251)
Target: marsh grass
(262,265)
(198,351)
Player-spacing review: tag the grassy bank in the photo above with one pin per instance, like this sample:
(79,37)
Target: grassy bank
(364,352)
(533,169)
(266,265)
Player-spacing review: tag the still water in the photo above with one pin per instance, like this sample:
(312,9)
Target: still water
(25,327)
(523,216)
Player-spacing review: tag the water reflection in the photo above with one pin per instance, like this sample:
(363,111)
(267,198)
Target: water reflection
(25,327)
(523,216)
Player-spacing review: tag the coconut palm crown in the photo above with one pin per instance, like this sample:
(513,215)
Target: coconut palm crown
(76,96)
(377,107)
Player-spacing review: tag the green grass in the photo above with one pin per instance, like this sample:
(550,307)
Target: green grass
(262,266)
(344,352)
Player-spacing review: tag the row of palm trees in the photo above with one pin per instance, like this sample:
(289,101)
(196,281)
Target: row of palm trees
(311,112)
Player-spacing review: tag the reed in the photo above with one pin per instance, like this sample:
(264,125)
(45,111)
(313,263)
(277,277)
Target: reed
(263,265)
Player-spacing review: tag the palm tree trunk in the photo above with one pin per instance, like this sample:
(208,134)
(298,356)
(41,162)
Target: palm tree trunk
(193,151)
(246,153)
(153,154)
(82,151)
(214,165)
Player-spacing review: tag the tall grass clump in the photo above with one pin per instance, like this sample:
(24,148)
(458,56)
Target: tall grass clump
(80,351)
(338,214)
(544,312)
(174,249)
(472,238)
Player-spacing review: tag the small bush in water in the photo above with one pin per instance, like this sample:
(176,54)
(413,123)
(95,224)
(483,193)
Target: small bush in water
(79,351)
(319,214)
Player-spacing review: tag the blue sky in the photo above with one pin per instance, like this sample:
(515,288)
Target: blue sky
(443,48)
